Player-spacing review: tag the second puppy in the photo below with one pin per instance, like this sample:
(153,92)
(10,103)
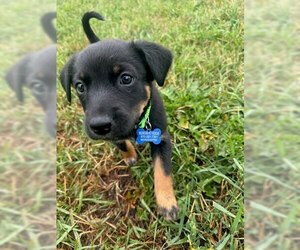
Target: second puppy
(37,71)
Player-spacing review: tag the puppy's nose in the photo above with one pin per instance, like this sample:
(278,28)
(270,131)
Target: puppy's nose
(100,125)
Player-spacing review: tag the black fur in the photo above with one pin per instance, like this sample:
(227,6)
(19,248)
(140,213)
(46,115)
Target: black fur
(93,67)
(66,77)
(17,74)
(37,71)
(87,27)
(157,58)
(47,24)
(112,109)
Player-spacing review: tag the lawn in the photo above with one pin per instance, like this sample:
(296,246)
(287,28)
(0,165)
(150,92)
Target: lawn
(104,204)
(27,153)
(272,124)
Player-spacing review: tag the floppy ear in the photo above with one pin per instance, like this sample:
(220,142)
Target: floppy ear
(66,76)
(158,59)
(16,76)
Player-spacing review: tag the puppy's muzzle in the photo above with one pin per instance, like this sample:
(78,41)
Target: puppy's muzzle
(100,125)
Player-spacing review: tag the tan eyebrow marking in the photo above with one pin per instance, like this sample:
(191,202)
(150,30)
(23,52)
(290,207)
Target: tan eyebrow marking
(116,69)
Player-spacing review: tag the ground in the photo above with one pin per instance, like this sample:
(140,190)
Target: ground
(102,202)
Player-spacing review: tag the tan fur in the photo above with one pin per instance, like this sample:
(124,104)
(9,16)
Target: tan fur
(116,69)
(163,187)
(130,156)
(144,103)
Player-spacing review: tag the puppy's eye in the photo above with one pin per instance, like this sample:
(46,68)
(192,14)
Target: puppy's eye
(38,87)
(126,79)
(80,87)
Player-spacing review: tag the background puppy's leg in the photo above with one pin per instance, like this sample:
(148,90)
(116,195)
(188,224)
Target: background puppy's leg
(163,184)
(128,152)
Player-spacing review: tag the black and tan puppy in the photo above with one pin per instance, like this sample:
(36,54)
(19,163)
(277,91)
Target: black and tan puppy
(37,71)
(114,81)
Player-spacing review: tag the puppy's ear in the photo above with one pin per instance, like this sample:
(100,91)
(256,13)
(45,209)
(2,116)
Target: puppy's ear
(16,76)
(158,59)
(66,76)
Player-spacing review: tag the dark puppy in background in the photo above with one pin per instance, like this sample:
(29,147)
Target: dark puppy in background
(114,81)
(37,71)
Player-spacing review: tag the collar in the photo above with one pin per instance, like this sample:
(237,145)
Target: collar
(144,118)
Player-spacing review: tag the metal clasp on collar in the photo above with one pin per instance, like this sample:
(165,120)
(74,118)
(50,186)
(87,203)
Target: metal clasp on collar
(148,125)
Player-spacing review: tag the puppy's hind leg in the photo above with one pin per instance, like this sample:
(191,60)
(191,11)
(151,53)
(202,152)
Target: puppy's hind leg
(128,152)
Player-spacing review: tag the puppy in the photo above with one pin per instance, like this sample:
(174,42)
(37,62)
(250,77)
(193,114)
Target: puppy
(114,81)
(37,71)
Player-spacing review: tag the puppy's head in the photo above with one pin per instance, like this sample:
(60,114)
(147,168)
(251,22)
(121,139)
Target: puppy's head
(113,82)
(37,71)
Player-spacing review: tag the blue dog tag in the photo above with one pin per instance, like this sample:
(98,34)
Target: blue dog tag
(148,136)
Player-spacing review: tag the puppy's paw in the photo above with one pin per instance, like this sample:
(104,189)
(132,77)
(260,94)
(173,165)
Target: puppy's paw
(130,155)
(169,214)
(130,161)
(167,206)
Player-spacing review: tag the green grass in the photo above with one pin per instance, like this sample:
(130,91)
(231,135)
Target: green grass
(272,125)
(27,172)
(103,203)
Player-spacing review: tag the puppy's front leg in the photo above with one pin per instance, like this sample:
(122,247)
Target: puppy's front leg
(128,152)
(163,184)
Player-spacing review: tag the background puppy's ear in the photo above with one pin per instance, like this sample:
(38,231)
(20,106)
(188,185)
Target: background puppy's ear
(16,76)
(66,76)
(158,59)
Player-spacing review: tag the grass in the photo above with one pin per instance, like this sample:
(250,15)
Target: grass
(104,204)
(27,173)
(272,127)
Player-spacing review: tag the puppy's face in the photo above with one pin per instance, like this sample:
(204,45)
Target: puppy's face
(113,82)
(37,71)
(112,85)
(41,80)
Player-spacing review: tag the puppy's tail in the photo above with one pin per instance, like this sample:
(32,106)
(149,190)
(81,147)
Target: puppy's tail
(87,27)
(48,27)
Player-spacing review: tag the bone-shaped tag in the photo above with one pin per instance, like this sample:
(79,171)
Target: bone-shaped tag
(148,136)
